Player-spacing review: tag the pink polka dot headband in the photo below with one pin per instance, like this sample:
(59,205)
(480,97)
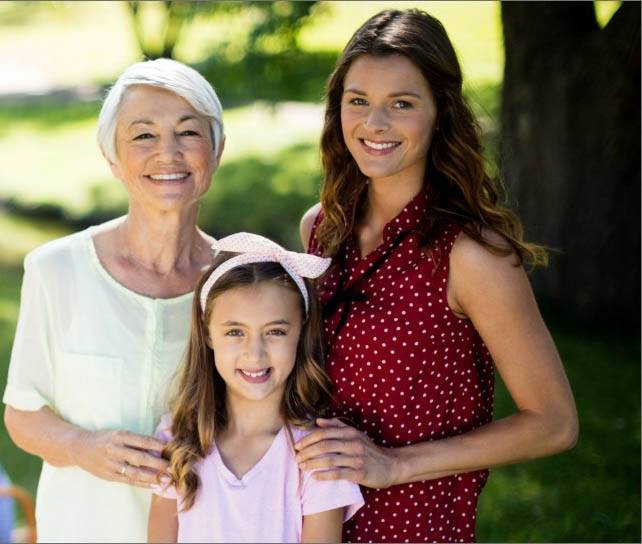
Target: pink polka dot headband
(254,248)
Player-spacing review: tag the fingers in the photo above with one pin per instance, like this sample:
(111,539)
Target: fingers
(140,441)
(132,475)
(334,422)
(333,446)
(344,432)
(334,462)
(350,474)
(140,458)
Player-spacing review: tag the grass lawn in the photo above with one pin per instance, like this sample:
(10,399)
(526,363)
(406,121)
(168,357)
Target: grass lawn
(591,494)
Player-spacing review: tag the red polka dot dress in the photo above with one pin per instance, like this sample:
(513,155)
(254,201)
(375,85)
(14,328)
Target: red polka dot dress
(406,369)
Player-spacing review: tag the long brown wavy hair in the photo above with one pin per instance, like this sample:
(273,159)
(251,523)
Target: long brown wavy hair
(198,405)
(458,187)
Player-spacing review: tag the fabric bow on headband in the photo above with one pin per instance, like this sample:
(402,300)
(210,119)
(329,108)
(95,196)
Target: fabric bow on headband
(254,248)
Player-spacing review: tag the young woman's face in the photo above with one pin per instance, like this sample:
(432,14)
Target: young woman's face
(254,332)
(165,154)
(388,117)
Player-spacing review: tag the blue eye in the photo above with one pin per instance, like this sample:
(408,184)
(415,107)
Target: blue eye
(402,105)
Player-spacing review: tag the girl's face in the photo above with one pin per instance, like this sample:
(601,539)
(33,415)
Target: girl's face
(254,332)
(388,117)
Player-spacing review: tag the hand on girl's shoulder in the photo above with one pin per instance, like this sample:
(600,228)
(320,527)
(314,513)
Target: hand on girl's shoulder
(323,495)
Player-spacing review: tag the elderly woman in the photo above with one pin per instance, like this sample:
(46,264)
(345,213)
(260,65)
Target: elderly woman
(105,312)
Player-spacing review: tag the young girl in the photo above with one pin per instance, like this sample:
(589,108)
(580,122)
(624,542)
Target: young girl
(252,380)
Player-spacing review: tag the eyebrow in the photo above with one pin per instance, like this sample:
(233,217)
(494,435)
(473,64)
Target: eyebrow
(393,95)
(239,324)
(188,117)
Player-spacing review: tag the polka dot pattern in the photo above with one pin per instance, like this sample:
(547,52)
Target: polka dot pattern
(406,369)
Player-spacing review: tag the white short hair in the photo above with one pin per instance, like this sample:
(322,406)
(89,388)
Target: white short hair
(167,74)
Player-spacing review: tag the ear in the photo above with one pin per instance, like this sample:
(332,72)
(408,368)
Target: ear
(208,340)
(113,166)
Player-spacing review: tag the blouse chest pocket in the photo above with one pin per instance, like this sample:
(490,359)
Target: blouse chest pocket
(88,390)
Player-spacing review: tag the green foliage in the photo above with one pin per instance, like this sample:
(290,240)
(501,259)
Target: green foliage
(289,76)
(274,25)
(264,196)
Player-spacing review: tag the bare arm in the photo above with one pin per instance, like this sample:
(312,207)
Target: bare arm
(163,520)
(497,297)
(101,453)
(323,527)
(307,221)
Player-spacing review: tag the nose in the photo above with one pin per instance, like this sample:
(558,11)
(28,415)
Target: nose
(169,148)
(254,350)
(377,119)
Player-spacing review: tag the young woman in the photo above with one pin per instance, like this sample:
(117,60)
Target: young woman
(252,381)
(427,295)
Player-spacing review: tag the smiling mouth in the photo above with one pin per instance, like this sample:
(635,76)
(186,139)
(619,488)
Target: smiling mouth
(255,375)
(176,177)
(378,148)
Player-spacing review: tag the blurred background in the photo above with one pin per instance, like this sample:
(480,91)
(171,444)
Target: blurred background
(556,88)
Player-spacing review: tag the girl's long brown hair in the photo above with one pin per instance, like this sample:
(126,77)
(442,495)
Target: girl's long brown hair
(198,404)
(458,187)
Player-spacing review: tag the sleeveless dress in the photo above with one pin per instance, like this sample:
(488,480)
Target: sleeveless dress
(406,370)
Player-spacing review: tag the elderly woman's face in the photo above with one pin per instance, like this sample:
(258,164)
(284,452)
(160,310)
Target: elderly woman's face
(164,150)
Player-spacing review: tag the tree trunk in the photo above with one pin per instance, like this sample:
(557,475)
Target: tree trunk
(571,151)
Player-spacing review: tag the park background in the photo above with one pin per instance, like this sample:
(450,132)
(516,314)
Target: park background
(269,62)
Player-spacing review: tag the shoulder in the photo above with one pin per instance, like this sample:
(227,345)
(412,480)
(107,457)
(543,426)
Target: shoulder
(300,431)
(477,275)
(307,222)
(164,428)
(56,252)
(468,254)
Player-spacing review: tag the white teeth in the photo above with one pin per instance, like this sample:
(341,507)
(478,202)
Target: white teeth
(255,374)
(169,177)
(383,145)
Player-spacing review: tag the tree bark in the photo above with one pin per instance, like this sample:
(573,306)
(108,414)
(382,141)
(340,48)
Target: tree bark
(571,151)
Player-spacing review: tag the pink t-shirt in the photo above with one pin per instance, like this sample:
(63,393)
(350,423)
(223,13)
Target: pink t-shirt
(263,506)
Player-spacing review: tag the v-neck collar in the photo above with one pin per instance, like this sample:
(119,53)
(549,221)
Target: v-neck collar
(232,479)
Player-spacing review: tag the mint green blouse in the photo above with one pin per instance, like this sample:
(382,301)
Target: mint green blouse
(101,356)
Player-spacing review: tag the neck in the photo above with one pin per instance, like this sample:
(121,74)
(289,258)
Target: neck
(386,199)
(250,417)
(161,242)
